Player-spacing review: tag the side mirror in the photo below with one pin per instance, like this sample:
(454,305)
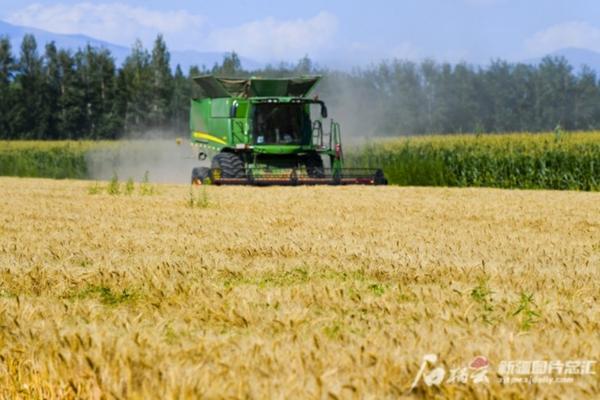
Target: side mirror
(323,111)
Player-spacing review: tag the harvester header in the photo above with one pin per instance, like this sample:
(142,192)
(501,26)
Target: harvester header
(268,131)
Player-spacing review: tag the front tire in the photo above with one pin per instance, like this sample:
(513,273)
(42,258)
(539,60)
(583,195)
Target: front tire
(230,164)
(200,175)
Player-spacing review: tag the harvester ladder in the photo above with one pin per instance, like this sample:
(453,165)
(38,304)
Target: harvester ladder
(335,143)
(335,138)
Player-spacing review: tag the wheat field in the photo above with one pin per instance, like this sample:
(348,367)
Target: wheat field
(280,293)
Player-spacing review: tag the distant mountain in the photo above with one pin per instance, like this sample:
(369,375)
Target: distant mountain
(184,58)
(576,57)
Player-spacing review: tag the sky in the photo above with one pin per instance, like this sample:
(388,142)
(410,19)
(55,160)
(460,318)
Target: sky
(333,32)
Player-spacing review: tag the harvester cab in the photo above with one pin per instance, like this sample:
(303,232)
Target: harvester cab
(268,132)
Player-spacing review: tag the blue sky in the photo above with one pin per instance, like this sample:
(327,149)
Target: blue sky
(334,32)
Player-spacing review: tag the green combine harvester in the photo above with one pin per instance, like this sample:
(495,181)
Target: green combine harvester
(268,132)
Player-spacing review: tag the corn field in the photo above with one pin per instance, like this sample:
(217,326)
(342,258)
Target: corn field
(291,292)
(527,161)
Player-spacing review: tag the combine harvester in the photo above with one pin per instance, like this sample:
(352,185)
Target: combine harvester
(268,132)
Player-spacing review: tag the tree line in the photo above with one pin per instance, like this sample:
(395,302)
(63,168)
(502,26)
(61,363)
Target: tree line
(411,98)
(61,94)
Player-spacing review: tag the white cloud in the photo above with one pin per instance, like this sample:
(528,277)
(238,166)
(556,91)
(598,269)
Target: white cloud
(271,39)
(267,39)
(568,34)
(114,22)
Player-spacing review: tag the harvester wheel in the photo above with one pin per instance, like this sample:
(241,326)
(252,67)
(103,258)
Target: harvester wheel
(314,166)
(200,175)
(230,164)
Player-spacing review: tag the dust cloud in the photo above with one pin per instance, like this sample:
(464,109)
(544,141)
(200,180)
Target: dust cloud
(165,160)
(355,106)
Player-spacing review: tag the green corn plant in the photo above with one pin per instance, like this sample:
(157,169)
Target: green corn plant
(146,188)
(113,186)
(525,309)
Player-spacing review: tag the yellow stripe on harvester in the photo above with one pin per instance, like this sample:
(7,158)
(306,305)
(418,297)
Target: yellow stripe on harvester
(206,136)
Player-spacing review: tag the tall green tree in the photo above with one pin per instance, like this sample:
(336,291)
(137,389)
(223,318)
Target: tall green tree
(586,107)
(30,114)
(96,73)
(231,66)
(162,85)
(72,101)
(135,83)
(407,99)
(522,79)
(555,94)
(429,77)
(52,92)
(180,101)
(7,69)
